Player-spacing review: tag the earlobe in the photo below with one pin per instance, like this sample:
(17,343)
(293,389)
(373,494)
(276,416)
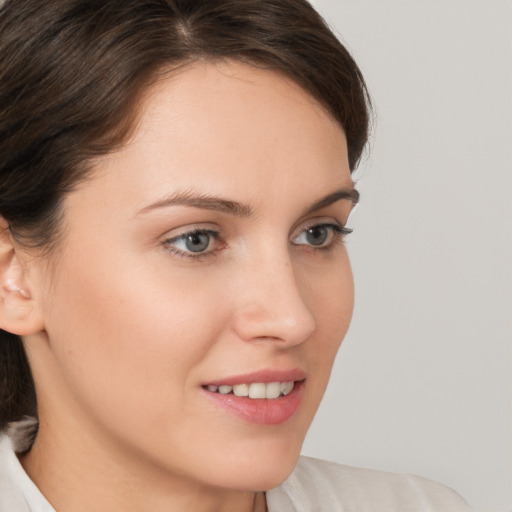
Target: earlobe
(19,312)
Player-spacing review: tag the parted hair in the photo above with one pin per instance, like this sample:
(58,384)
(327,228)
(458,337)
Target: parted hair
(72,72)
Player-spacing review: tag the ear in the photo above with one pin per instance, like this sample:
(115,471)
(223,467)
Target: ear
(19,312)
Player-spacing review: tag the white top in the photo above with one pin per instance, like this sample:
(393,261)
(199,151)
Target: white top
(314,486)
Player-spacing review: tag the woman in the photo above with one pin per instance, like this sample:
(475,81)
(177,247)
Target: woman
(175,188)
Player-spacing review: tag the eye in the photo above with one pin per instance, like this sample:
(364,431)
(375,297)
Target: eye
(193,243)
(321,235)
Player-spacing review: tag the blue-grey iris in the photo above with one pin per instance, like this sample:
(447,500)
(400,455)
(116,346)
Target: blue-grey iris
(197,242)
(317,235)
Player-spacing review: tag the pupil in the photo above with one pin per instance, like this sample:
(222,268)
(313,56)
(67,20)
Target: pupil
(317,235)
(197,242)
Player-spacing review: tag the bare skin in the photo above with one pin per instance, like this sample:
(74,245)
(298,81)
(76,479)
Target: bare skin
(129,327)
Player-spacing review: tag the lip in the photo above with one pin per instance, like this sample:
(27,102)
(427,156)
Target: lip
(260,411)
(264,376)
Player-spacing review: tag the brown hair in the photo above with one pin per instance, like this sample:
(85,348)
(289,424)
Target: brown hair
(71,72)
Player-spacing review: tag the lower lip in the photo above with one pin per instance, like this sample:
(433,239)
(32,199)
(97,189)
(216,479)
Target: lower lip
(262,411)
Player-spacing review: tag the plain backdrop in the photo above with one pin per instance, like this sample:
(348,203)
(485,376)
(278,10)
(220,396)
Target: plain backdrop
(422,383)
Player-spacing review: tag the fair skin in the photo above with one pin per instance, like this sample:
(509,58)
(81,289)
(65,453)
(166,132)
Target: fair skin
(129,327)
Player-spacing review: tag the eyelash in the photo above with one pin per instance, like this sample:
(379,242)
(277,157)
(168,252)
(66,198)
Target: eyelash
(215,235)
(338,235)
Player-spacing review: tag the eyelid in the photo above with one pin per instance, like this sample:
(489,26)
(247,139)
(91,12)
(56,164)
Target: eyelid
(317,221)
(336,237)
(189,228)
(174,236)
(179,236)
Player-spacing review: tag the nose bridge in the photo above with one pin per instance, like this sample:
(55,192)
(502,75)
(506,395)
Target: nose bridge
(271,304)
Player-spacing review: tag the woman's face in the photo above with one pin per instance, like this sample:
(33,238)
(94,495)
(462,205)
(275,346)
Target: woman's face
(207,252)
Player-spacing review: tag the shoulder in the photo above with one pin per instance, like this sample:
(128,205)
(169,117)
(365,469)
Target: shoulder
(17,492)
(317,485)
(11,497)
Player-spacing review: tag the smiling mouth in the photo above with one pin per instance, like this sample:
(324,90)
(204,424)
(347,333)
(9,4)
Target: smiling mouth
(255,390)
(271,402)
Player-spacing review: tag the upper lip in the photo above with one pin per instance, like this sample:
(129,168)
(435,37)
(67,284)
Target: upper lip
(263,376)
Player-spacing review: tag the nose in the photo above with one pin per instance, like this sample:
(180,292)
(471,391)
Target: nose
(270,304)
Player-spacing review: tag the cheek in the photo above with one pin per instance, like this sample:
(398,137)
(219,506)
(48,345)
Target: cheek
(333,302)
(330,297)
(329,294)
(129,338)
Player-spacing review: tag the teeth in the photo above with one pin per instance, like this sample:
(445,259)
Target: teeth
(286,387)
(273,390)
(270,390)
(257,390)
(241,390)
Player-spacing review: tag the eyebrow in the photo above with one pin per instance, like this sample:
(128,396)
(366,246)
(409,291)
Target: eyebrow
(217,204)
(345,193)
(202,201)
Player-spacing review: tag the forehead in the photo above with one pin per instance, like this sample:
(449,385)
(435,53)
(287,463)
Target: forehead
(226,106)
(205,84)
(227,129)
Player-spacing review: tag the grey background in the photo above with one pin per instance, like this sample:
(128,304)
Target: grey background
(422,383)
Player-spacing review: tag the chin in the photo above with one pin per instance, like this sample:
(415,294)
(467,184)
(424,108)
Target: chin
(262,470)
(272,477)
(259,479)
